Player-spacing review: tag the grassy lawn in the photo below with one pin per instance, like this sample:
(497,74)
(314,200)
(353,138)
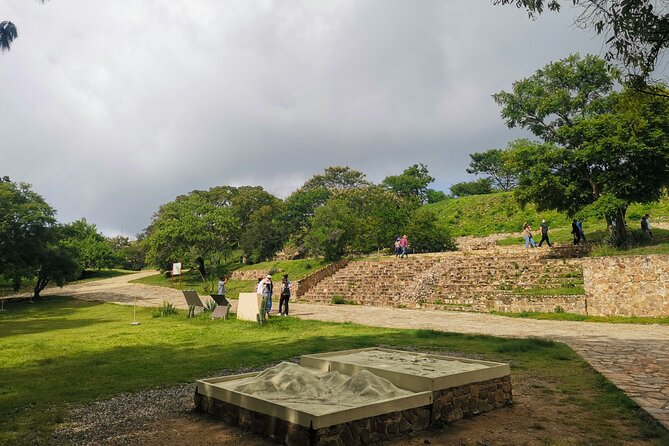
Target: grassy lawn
(296,269)
(584,318)
(60,351)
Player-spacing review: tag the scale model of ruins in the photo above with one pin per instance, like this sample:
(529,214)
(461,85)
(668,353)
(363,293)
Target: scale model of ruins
(355,397)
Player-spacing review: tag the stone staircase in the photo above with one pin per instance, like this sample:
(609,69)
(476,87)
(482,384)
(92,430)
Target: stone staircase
(477,280)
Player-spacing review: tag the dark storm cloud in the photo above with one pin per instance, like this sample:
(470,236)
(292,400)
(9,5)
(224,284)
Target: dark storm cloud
(112,108)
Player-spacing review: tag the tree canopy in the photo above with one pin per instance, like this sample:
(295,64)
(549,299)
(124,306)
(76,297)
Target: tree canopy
(411,183)
(495,165)
(598,146)
(637,31)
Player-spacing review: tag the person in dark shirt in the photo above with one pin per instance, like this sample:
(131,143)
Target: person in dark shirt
(576,231)
(543,228)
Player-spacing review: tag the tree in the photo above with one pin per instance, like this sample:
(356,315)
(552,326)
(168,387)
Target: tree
(337,178)
(332,230)
(435,196)
(8,33)
(495,165)
(31,240)
(411,183)
(637,31)
(191,226)
(55,263)
(263,235)
(598,146)
(26,223)
(479,187)
(426,235)
(92,248)
(556,95)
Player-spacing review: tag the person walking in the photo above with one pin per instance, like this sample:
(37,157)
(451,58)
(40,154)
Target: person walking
(576,231)
(404,244)
(267,290)
(221,285)
(285,295)
(579,223)
(645,226)
(398,249)
(543,229)
(527,234)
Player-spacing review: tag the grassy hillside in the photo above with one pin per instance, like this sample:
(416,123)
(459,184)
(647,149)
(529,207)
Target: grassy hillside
(482,215)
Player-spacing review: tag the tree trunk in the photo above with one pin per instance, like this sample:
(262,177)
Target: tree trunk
(40,285)
(620,228)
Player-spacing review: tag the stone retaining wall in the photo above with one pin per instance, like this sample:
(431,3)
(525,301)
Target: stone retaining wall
(539,304)
(627,285)
(310,281)
(448,405)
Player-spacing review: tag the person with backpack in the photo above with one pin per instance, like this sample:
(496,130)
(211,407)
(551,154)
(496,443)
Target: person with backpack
(285,295)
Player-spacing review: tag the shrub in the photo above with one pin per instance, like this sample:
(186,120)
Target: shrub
(165,309)
(210,305)
(338,300)
(558,309)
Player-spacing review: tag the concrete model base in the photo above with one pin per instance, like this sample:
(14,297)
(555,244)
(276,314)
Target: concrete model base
(340,398)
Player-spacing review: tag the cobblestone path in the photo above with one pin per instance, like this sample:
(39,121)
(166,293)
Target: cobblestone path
(634,357)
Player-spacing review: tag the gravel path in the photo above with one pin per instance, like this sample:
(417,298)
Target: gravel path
(634,357)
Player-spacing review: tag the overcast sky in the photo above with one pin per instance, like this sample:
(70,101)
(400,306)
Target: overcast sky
(111,108)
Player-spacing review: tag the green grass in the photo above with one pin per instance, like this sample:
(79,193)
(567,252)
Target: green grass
(296,269)
(60,351)
(482,215)
(558,291)
(585,318)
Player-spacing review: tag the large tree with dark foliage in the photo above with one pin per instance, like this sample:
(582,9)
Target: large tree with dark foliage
(600,151)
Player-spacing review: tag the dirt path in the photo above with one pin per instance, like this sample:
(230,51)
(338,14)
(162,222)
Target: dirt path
(634,357)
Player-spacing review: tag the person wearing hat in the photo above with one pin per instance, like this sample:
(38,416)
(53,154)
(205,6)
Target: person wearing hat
(404,244)
(267,289)
(543,228)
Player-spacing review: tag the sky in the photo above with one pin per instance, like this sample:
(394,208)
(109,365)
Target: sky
(112,108)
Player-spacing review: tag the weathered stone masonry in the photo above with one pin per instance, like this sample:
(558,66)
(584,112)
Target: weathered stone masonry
(627,285)
(448,405)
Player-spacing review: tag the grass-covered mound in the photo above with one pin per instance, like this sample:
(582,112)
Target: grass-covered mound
(61,351)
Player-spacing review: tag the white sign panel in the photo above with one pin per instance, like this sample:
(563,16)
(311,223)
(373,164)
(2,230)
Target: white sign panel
(176,269)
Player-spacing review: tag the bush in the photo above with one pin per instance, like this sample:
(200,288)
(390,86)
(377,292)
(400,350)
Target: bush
(210,305)
(338,300)
(165,309)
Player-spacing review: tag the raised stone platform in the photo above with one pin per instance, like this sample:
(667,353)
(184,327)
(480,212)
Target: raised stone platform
(355,397)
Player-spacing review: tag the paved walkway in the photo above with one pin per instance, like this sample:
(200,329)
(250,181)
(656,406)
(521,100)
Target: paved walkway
(634,357)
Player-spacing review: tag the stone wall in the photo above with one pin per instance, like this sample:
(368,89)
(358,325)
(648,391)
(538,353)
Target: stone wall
(627,285)
(448,405)
(310,281)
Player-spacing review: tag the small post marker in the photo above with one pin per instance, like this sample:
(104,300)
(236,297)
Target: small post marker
(134,311)
(2,305)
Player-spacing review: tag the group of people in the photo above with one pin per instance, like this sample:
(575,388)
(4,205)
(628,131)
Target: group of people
(529,239)
(265,288)
(577,231)
(401,246)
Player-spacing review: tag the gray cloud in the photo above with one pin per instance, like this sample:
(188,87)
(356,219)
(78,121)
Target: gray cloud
(112,108)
